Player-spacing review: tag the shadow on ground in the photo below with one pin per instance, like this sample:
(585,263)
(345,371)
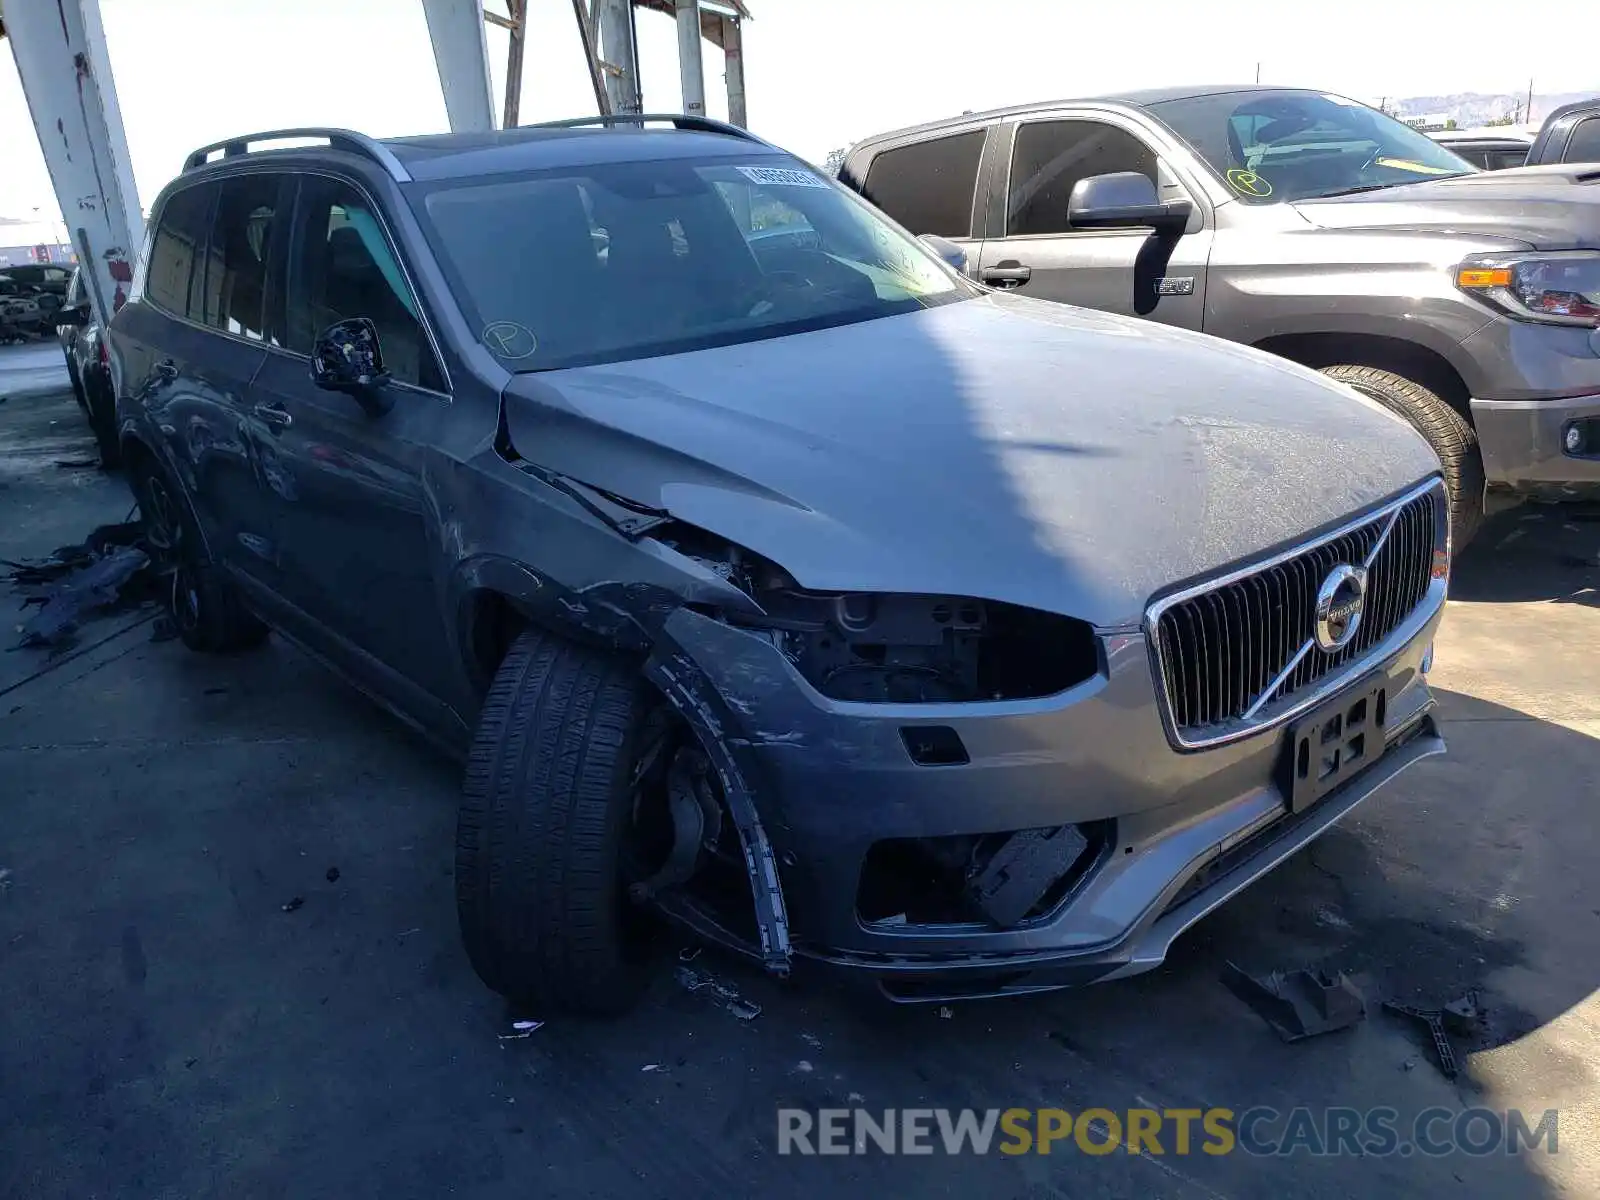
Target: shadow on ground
(1533,552)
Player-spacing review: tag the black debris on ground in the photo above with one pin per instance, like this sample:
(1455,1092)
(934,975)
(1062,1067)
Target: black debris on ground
(1299,1004)
(109,571)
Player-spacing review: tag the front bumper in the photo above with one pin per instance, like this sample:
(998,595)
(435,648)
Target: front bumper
(830,779)
(1524,446)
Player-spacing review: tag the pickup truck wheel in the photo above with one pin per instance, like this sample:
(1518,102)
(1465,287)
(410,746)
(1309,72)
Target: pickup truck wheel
(101,407)
(546,809)
(1448,432)
(206,606)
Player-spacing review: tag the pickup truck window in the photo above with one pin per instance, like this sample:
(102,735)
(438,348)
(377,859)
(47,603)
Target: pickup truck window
(1051,156)
(927,186)
(1272,146)
(1584,144)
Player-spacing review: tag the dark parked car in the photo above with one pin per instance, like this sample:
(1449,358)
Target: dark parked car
(84,346)
(1571,134)
(792,587)
(1305,224)
(1485,148)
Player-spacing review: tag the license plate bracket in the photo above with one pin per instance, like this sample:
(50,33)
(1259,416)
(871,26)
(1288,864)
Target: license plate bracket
(1335,742)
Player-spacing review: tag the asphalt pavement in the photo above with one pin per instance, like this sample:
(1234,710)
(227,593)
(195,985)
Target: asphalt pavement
(229,963)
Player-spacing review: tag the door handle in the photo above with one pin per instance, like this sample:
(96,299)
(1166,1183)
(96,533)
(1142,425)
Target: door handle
(273,414)
(167,370)
(1010,274)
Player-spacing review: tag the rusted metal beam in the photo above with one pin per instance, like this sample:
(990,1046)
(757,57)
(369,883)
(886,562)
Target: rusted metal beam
(585,16)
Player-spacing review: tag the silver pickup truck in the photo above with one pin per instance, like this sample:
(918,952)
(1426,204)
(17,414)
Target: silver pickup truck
(1301,223)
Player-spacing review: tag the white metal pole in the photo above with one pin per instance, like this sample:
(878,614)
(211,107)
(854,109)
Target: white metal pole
(65,70)
(689,63)
(461,54)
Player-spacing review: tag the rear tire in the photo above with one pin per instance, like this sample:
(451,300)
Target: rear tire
(101,407)
(209,612)
(1448,432)
(546,805)
(77,385)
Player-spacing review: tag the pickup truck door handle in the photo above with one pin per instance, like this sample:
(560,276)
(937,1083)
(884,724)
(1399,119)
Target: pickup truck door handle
(166,370)
(1009,274)
(274,414)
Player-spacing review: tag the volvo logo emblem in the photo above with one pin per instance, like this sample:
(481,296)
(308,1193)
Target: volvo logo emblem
(1340,601)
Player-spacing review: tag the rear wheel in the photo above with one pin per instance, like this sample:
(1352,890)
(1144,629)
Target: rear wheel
(1448,432)
(206,606)
(101,406)
(545,821)
(77,385)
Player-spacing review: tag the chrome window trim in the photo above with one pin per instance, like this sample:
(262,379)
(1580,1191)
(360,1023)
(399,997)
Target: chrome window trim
(1271,716)
(447,395)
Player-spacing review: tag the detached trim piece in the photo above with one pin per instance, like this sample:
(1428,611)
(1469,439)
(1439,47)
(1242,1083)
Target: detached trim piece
(338,139)
(678,678)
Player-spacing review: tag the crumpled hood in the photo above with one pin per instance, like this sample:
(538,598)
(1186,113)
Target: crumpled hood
(1547,207)
(999,447)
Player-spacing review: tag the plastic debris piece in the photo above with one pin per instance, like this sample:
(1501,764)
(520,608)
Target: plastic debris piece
(946,1012)
(88,589)
(1462,1016)
(520,1030)
(294,903)
(1298,1004)
(695,980)
(649,1067)
(1433,1018)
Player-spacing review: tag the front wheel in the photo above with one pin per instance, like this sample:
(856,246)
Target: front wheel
(1449,433)
(546,810)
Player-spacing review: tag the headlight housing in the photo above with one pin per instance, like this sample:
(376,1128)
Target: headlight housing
(1556,288)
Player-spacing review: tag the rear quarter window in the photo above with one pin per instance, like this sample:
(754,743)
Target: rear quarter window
(1584,144)
(928,186)
(175,249)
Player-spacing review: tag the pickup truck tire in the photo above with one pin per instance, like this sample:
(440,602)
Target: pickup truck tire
(206,606)
(546,803)
(100,406)
(1448,432)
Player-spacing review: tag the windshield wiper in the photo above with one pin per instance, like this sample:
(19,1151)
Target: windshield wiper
(1351,191)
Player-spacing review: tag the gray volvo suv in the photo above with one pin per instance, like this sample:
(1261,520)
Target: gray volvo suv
(1305,224)
(767,574)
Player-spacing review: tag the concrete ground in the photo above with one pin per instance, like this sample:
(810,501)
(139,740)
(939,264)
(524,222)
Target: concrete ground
(171,1031)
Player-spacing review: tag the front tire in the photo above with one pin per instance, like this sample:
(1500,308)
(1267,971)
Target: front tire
(1449,433)
(209,612)
(546,807)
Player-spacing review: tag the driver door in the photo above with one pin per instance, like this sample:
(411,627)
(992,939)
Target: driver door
(1131,271)
(352,517)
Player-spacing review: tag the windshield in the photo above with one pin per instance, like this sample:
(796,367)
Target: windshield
(627,260)
(1272,146)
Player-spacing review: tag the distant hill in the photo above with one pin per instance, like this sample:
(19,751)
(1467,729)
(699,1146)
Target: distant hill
(1471,109)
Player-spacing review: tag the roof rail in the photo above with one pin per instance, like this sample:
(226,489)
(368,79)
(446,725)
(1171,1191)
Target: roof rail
(679,120)
(337,139)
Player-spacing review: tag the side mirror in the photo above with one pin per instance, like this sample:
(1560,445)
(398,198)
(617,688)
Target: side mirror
(76,315)
(346,357)
(1121,200)
(952,254)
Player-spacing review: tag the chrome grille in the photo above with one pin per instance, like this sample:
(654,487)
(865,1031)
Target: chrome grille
(1238,653)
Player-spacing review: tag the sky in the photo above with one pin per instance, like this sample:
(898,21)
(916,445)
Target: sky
(819,73)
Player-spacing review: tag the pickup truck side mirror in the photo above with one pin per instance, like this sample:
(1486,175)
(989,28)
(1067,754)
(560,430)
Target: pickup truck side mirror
(346,357)
(1121,200)
(952,254)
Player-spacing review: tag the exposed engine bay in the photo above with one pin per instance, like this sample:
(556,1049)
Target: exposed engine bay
(903,649)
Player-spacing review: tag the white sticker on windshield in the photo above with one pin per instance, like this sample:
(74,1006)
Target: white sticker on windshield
(781,177)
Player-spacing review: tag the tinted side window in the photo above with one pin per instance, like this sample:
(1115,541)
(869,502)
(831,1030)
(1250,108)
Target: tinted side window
(233,288)
(342,266)
(1584,145)
(1051,156)
(178,243)
(928,186)
(1501,160)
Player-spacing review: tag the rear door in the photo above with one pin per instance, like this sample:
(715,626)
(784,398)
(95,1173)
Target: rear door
(188,353)
(1035,250)
(931,186)
(352,514)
